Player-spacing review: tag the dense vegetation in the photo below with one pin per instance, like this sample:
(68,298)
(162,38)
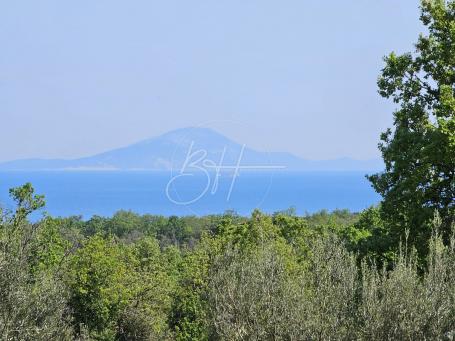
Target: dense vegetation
(385,273)
(266,277)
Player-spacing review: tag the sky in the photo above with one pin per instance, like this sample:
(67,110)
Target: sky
(82,77)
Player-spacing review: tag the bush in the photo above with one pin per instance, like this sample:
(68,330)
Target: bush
(258,296)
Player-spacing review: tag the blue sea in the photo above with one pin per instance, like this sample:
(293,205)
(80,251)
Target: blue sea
(89,193)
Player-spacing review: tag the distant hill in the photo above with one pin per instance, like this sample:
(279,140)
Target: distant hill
(170,150)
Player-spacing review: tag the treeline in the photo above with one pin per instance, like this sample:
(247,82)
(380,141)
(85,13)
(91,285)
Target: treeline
(184,231)
(220,277)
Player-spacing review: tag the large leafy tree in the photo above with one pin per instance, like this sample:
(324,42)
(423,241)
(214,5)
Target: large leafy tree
(419,153)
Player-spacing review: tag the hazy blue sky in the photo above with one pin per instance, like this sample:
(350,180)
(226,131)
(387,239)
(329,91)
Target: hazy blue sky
(80,77)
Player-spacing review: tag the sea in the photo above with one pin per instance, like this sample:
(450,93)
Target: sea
(88,193)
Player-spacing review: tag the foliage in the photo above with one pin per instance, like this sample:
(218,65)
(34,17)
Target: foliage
(419,154)
(264,277)
(100,284)
(33,301)
(189,311)
(249,296)
(256,296)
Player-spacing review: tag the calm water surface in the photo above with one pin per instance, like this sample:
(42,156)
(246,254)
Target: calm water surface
(103,193)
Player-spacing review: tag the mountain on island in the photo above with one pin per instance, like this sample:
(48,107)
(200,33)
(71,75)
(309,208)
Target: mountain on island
(170,150)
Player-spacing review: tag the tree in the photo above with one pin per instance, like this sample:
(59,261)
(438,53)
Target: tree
(27,201)
(249,296)
(145,318)
(101,287)
(419,154)
(188,317)
(33,299)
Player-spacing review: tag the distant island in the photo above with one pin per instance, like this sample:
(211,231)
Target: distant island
(170,150)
